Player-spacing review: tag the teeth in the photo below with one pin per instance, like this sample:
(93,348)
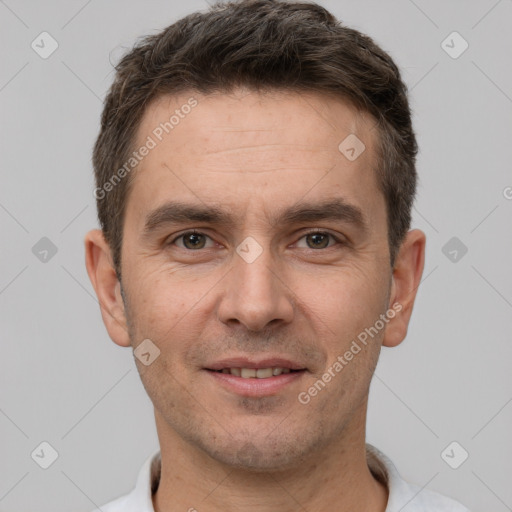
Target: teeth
(263,373)
(255,373)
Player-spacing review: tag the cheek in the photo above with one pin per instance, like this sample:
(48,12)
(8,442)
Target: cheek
(158,306)
(347,301)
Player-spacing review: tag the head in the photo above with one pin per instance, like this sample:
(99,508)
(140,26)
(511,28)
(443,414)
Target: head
(255,174)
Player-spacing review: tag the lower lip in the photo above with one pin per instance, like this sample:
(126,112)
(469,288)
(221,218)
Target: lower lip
(255,387)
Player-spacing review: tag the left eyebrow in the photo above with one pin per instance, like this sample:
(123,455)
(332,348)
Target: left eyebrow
(336,209)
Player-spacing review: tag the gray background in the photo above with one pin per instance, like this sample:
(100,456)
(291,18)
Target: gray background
(64,382)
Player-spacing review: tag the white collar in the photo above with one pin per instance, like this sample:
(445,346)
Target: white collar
(401,493)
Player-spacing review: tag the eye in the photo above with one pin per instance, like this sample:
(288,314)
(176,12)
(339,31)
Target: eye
(193,240)
(317,240)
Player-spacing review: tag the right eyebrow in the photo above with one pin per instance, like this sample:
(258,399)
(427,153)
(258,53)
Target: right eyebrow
(175,213)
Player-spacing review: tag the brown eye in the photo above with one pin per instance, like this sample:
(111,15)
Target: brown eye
(192,241)
(318,240)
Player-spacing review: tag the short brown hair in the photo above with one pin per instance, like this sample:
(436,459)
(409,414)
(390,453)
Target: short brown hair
(262,45)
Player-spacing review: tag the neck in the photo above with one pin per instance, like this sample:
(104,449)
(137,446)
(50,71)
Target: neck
(334,478)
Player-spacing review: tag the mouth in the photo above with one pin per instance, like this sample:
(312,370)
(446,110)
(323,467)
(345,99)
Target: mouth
(256,378)
(256,373)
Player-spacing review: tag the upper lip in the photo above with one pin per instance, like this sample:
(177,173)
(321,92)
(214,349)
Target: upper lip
(245,362)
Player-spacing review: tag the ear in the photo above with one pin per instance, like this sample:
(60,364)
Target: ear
(405,280)
(103,277)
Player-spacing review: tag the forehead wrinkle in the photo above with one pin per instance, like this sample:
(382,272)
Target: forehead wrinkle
(243,130)
(317,148)
(260,171)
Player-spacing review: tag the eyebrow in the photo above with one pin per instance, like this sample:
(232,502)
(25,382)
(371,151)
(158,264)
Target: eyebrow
(336,209)
(303,212)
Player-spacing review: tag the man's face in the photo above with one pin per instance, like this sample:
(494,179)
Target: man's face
(283,264)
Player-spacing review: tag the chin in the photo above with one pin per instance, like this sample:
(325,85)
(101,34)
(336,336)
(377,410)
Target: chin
(258,455)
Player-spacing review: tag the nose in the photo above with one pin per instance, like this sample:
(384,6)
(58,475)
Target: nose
(255,294)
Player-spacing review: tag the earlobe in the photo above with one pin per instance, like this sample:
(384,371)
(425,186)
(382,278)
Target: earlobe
(406,278)
(104,279)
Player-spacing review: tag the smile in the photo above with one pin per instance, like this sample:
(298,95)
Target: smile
(255,373)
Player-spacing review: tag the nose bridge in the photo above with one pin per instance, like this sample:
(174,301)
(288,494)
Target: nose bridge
(253,295)
(253,276)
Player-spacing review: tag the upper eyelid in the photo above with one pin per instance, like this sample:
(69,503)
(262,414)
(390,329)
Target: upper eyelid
(337,238)
(173,239)
(321,231)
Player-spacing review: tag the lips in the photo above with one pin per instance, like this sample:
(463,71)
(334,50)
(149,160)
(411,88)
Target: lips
(255,373)
(251,367)
(256,376)
(245,368)
(245,362)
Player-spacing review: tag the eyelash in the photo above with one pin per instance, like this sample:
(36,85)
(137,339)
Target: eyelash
(310,232)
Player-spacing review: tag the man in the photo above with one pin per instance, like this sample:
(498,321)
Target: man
(255,173)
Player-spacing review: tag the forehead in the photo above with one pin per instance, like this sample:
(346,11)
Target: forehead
(247,147)
(237,119)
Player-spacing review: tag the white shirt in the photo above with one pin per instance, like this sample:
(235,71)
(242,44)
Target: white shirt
(401,493)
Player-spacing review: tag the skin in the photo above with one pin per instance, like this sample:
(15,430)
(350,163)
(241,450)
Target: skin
(254,155)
